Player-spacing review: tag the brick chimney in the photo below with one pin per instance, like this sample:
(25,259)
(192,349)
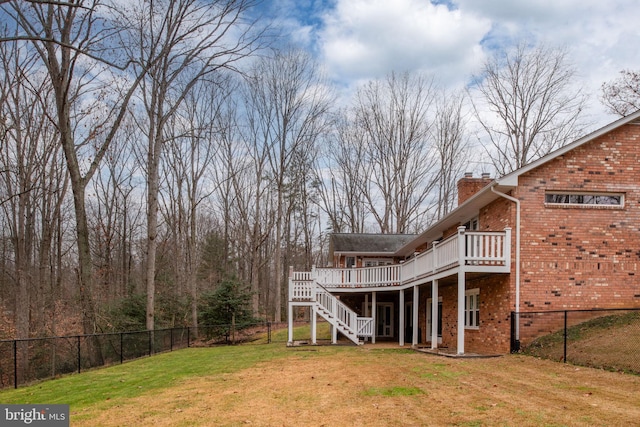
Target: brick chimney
(468,185)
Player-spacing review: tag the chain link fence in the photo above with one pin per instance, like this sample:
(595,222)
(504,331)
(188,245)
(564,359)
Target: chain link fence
(599,338)
(23,361)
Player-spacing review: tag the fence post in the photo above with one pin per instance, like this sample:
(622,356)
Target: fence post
(171,339)
(565,337)
(121,349)
(188,337)
(78,353)
(268,332)
(149,334)
(15,363)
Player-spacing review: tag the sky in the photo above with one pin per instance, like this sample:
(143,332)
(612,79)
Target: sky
(359,40)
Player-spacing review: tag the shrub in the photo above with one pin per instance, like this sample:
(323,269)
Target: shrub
(229,303)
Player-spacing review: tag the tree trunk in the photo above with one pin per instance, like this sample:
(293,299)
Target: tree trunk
(152,234)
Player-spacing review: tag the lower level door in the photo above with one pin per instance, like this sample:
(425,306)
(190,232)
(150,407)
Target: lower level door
(384,319)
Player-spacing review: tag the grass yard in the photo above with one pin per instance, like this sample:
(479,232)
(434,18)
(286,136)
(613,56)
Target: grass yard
(271,385)
(611,342)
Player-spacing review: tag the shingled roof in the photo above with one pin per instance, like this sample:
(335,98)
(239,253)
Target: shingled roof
(379,244)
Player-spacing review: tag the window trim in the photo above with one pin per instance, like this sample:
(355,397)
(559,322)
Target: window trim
(376,262)
(590,199)
(473,224)
(472,315)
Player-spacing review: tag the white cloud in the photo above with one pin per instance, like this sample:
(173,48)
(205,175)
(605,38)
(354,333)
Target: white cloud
(364,39)
(601,37)
(358,40)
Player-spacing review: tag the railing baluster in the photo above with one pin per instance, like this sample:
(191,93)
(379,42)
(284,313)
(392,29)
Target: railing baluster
(482,248)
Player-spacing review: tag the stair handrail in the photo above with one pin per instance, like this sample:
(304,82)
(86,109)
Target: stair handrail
(338,309)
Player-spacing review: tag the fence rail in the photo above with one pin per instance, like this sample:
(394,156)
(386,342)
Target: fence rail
(23,361)
(600,338)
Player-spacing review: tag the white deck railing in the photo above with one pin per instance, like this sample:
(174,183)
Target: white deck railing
(483,251)
(365,327)
(303,288)
(362,326)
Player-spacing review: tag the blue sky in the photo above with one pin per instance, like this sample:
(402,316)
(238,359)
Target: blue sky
(358,40)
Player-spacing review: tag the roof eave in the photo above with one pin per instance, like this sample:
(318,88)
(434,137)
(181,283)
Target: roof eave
(463,213)
(506,183)
(511,179)
(362,253)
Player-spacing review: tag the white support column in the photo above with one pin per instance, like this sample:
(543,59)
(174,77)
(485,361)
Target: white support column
(434,314)
(461,288)
(401,326)
(366,306)
(314,319)
(290,318)
(414,313)
(366,310)
(373,315)
(334,335)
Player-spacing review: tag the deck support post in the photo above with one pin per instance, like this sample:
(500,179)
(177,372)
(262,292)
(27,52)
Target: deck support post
(401,320)
(373,315)
(290,324)
(414,313)
(366,306)
(461,288)
(434,314)
(313,324)
(367,310)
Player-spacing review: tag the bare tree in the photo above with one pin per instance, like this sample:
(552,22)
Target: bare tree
(393,114)
(188,172)
(340,173)
(32,189)
(114,217)
(450,139)
(74,41)
(180,42)
(244,194)
(288,106)
(32,184)
(527,104)
(622,95)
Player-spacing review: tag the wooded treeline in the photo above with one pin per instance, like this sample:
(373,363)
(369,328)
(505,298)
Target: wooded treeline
(150,152)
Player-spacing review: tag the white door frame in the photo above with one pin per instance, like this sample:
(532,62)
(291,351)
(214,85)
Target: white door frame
(386,320)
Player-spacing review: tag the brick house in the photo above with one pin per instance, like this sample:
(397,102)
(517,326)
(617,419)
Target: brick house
(560,233)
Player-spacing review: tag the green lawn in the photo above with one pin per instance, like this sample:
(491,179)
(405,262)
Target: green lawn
(270,384)
(137,377)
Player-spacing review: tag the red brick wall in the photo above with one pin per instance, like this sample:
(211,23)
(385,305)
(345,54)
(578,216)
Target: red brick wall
(583,257)
(468,186)
(494,334)
(571,257)
(497,299)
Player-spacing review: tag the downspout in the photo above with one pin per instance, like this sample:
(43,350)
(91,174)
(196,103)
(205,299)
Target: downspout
(517,311)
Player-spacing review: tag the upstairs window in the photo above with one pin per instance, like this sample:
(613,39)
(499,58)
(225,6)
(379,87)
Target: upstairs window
(585,199)
(377,262)
(472,225)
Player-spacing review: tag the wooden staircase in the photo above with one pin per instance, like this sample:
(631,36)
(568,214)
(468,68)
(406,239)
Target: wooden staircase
(340,316)
(345,320)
